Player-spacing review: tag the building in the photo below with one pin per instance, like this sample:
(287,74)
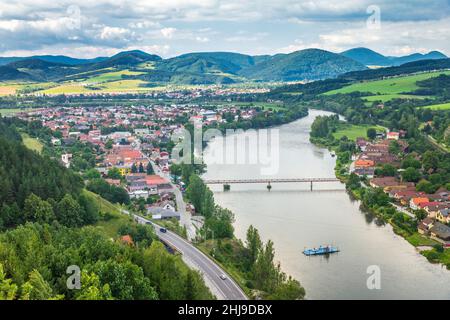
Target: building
(443,215)
(126,239)
(425,225)
(440,232)
(162,214)
(414,203)
(65,159)
(393,136)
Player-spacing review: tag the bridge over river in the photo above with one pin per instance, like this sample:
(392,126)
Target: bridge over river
(227,182)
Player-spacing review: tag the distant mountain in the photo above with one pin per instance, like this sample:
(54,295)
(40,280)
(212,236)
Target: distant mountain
(204,67)
(40,70)
(209,62)
(432,55)
(50,58)
(9,73)
(367,57)
(125,58)
(309,64)
(371,58)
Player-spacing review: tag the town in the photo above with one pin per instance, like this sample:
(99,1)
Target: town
(385,153)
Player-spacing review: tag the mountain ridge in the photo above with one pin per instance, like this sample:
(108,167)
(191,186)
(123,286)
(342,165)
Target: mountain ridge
(370,57)
(204,67)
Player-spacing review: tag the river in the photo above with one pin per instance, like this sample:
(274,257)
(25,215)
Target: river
(294,218)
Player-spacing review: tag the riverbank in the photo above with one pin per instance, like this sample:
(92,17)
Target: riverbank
(379,204)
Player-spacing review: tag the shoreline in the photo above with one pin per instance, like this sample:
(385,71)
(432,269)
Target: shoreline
(421,248)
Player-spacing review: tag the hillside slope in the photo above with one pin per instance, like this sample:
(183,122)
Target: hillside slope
(309,64)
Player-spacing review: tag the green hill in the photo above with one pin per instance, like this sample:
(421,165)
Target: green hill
(309,64)
(371,58)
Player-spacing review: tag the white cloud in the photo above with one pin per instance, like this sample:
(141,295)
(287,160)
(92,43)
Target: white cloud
(168,32)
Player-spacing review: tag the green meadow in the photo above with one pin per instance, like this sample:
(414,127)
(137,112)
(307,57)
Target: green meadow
(354,131)
(392,86)
(443,106)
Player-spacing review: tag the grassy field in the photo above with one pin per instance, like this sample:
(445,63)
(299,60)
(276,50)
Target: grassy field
(354,131)
(10,112)
(388,97)
(393,87)
(111,76)
(444,106)
(32,143)
(115,218)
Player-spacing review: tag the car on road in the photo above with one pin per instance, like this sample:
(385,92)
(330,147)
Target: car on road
(148,222)
(223,276)
(163,230)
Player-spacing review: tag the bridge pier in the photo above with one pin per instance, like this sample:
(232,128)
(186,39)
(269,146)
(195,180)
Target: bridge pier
(311,185)
(226,187)
(269,187)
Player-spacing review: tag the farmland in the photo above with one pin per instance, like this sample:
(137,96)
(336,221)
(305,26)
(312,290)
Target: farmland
(354,131)
(392,86)
(443,106)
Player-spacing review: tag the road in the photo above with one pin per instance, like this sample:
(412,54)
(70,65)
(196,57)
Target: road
(185,217)
(223,289)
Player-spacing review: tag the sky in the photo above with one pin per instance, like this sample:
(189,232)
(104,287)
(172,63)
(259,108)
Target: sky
(91,28)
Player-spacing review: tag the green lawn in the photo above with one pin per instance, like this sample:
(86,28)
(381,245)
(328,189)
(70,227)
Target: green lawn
(32,143)
(443,106)
(393,86)
(354,131)
(417,240)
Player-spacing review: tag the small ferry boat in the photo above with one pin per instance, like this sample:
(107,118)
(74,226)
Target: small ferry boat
(320,250)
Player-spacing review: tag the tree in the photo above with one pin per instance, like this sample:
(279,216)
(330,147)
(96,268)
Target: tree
(371,133)
(266,274)
(289,290)
(114,173)
(387,170)
(126,280)
(411,175)
(8,289)
(134,168)
(411,162)
(92,289)
(38,210)
(426,186)
(109,144)
(430,160)
(195,191)
(353,182)
(92,174)
(254,244)
(36,288)
(68,212)
(394,147)
(149,169)
(141,168)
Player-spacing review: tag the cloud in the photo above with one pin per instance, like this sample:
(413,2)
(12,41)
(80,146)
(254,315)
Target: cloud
(251,26)
(168,32)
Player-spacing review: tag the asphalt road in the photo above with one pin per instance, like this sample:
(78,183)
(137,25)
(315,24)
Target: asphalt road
(223,289)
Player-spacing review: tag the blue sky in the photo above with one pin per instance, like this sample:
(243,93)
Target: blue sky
(172,27)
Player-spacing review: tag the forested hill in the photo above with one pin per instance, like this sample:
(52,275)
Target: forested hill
(48,222)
